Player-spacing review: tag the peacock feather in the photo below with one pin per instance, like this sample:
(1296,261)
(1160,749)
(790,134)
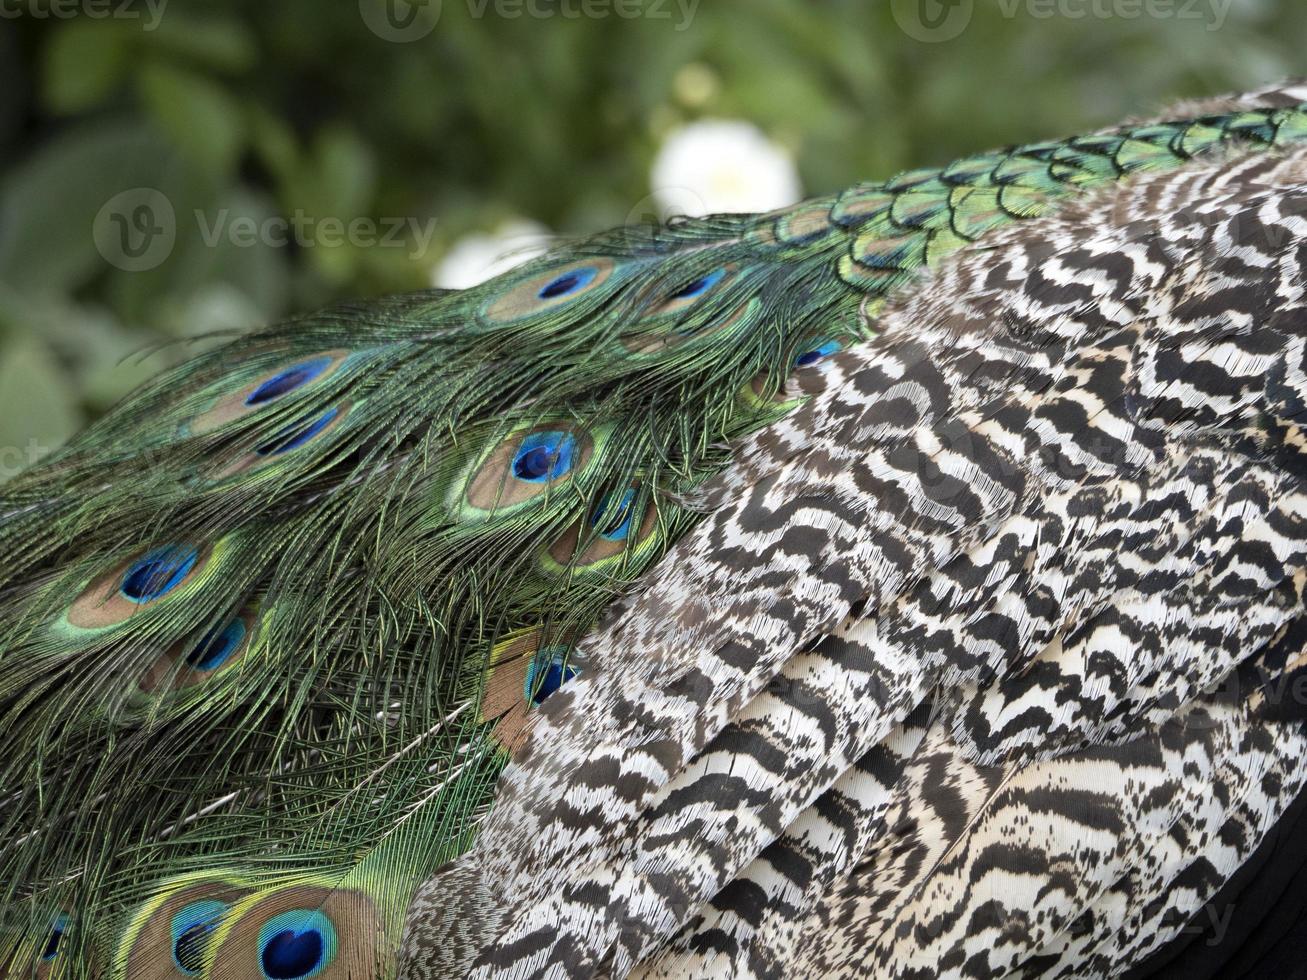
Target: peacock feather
(271,628)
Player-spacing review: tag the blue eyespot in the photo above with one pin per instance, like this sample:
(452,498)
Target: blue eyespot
(56,937)
(544,456)
(294,436)
(212,651)
(547,672)
(568,283)
(296,945)
(699,286)
(158,573)
(191,930)
(284,382)
(815,354)
(612,518)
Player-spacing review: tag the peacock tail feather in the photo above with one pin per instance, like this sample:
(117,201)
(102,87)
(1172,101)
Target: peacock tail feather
(270,629)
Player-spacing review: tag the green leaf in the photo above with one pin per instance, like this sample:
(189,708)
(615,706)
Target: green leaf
(347,171)
(275,143)
(336,179)
(203,121)
(84,63)
(335,185)
(49,205)
(37,411)
(111,361)
(219,43)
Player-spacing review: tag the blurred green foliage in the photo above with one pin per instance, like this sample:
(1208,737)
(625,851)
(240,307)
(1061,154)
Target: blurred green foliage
(545,109)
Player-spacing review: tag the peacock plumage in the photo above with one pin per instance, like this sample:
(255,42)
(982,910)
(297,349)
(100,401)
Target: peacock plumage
(837,606)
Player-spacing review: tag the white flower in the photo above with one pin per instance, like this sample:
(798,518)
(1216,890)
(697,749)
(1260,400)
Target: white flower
(475,258)
(723,165)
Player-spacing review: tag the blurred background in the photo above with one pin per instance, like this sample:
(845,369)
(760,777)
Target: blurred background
(173,168)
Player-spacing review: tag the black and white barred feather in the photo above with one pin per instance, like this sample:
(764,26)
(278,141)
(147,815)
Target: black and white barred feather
(960,676)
